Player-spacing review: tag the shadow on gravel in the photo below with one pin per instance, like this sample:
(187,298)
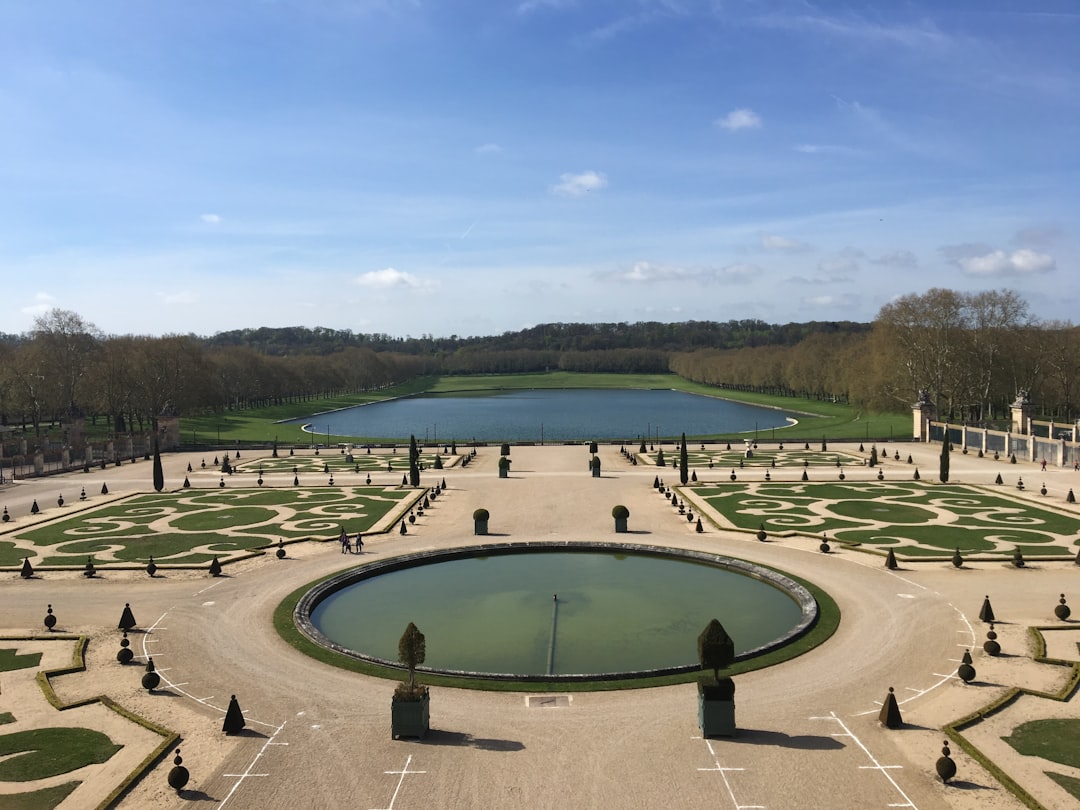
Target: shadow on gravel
(196,796)
(436,737)
(778,738)
(964,785)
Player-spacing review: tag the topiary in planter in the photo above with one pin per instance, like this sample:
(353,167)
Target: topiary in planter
(410,705)
(716,695)
(480,521)
(621,514)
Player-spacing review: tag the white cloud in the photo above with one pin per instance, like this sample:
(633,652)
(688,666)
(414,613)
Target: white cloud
(1023,262)
(649,273)
(488,149)
(741,118)
(388,278)
(43,302)
(577,185)
(782,244)
(210,219)
(182,297)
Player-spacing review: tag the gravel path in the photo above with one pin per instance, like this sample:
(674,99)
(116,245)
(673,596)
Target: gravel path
(319,737)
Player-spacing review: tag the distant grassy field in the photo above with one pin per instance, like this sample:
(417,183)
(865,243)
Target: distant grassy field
(835,421)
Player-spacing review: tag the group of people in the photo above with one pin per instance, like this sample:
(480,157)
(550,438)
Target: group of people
(348,545)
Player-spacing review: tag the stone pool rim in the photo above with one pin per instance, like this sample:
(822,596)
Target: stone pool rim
(808,605)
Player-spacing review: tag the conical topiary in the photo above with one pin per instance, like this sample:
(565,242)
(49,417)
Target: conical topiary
(127,618)
(890,561)
(27,570)
(986,612)
(215,567)
(34,507)
(889,716)
(234,718)
(104,489)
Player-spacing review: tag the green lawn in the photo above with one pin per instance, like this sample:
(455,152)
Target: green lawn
(1055,740)
(10,660)
(41,753)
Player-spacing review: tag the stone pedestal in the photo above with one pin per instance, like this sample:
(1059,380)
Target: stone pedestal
(923,412)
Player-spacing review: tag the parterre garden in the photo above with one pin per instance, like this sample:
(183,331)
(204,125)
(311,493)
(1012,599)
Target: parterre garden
(913,518)
(191,527)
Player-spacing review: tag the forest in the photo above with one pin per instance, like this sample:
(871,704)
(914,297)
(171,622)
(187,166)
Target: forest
(970,352)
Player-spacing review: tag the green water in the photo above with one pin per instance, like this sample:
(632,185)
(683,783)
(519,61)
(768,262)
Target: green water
(615,613)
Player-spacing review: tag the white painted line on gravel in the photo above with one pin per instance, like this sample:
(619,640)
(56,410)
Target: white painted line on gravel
(723,775)
(176,685)
(403,773)
(876,766)
(240,777)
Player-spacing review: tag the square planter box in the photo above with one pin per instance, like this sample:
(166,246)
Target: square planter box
(716,717)
(410,718)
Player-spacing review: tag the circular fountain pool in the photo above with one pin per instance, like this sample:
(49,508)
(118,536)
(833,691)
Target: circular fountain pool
(542,611)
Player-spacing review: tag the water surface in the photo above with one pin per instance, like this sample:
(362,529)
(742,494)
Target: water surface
(548,415)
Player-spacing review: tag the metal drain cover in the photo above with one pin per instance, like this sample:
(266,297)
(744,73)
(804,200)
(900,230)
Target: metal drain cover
(548,701)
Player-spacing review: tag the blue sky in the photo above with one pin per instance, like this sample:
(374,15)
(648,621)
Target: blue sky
(468,168)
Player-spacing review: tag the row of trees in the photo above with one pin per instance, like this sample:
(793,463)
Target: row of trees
(971,353)
(67,366)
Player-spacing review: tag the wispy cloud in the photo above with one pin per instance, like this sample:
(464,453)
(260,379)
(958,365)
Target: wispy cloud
(577,185)
(488,149)
(178,298)
(389,278)
(782,244)
(649,273)
(841,301)
(827,149)
(900,259)
(529,6)
(210,219)
(741,118)
(921,35)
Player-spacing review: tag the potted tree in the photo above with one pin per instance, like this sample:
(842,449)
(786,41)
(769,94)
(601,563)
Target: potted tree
(716,695)
(504,466)
(620,513)
(410,706)
(480,521)
(595,465)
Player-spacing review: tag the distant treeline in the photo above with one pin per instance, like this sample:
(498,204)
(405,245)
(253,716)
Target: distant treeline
(653,337)
(970,353)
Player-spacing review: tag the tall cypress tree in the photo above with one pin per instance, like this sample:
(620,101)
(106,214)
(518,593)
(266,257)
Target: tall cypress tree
(414,462)
(159,474)
(684,469)
(943,472)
